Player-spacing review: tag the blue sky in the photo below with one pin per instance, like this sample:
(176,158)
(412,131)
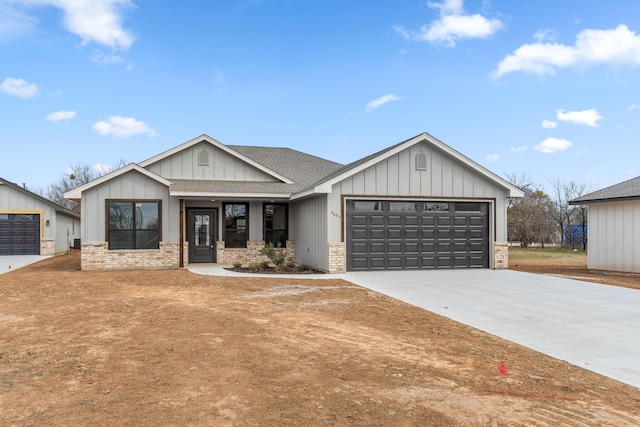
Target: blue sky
(548,88)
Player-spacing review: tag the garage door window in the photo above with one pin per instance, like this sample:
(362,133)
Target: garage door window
(133,224)
(367,205)
(436,206)
(402,207)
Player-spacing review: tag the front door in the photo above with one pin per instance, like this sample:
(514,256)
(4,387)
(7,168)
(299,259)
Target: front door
(201,234)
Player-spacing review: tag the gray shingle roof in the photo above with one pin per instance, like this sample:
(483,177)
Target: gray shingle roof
(304,169)
(627,190)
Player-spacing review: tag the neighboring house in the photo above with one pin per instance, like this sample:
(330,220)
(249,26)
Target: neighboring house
(614,226)
(33,225)
(417,204)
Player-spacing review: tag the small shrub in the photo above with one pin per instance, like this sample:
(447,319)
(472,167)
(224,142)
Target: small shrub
(275,253)
(237,265)
(255,266)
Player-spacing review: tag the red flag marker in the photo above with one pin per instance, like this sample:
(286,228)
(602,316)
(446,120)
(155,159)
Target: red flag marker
(503,370)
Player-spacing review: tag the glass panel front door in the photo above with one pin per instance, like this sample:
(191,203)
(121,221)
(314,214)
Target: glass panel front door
(201,228)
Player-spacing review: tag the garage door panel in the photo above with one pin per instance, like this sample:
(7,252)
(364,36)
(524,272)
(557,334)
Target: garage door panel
(19,234)
(417,235)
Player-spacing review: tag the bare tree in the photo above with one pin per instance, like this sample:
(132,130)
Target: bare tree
(567,216)
(529,218)
(80,174)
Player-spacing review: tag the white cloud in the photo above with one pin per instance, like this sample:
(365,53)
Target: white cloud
(19,88)
(549,124)
(587,117)
(103,59)
(376,103)
(123,127)
(94,21)
(545,35)
(592,47)
(14,21)
(60,115)
(551,145)
(493,157)
(519,148)
(632,107)
(454,24)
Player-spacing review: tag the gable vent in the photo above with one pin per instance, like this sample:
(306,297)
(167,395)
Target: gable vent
(421,162)
(203,158)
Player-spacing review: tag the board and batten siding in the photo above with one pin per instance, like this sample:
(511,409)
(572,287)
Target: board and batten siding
(308,228)
(397,176)
(130,186)
(614,236)
(13,200)
(221,166)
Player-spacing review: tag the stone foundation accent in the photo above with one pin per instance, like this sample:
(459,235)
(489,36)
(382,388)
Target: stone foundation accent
(337,257)
(250,254)
(97,256)
(47,247)
(501,255)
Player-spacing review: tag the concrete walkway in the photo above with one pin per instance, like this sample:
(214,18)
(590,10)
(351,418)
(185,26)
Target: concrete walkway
(12,262)
(596,327)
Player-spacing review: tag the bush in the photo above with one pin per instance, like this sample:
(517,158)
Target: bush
(276,254)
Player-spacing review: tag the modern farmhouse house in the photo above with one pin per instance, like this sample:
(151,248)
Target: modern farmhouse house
(33,225)
(614,226)
(418,204)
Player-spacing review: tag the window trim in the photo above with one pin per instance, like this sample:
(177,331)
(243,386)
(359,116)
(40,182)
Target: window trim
(106,221)
(224,224)
(286,222)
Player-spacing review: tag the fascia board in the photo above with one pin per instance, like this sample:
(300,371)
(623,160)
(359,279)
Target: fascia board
(230,195)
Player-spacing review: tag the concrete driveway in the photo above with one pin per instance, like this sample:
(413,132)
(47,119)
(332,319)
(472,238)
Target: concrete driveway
(12,262)
(596,327)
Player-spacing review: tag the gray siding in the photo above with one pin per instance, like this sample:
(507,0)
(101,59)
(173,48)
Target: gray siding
(614,236)
(397,176)
(131,185)
(308,227)
(222,166)
(64,239)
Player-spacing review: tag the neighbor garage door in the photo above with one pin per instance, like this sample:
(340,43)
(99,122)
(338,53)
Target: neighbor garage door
(19,234)
(395,234)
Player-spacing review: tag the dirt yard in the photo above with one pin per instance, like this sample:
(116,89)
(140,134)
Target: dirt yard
(171,348)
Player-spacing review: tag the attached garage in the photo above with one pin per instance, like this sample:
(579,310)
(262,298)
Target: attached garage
(406,234)
(19,234)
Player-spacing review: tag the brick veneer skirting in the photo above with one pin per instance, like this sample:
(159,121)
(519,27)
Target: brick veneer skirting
(251,254)
(501,255)
(97,256)
(47,247)
(337,257)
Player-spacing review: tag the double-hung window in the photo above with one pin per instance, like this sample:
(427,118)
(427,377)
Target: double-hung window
(133,224)
(236,225)
(275,224)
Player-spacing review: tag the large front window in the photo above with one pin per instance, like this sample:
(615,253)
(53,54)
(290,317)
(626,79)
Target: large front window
(133,224)
(275,224)
(236,225)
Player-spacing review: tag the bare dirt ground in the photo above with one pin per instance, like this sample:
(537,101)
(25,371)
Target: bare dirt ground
(171,348)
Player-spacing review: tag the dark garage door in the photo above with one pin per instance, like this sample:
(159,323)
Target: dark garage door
(19,234)
(392,234)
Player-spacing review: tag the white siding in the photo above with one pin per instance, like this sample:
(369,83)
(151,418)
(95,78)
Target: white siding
(132,185)
(614,236)
(308,228)
(222,166)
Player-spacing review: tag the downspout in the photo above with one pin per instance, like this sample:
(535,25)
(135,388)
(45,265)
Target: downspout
(181,255)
